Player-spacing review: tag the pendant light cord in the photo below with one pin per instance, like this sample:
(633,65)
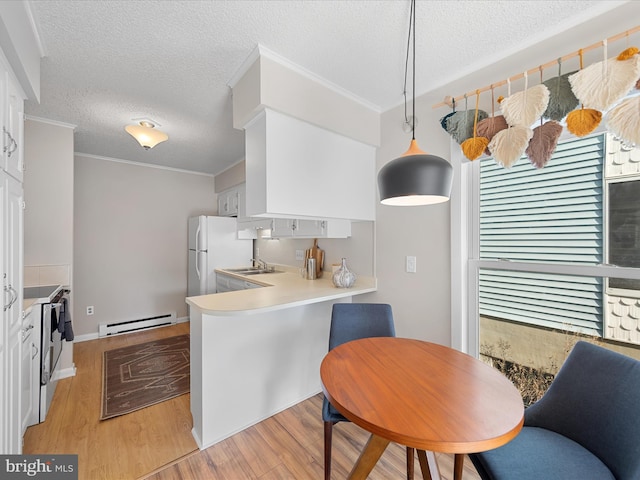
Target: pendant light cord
(413,121)
(412,26)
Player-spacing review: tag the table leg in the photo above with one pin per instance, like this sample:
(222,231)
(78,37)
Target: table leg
(428,465)
(372,452)
(458,463)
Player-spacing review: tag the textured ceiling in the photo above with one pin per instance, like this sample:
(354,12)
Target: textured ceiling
(107,62)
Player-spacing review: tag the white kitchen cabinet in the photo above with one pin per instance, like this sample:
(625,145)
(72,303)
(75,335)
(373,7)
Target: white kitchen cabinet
(231,202)
(300,228)
(11,261)
(298,170)
(11,208)
(13,133)
(229,283)
(30,346)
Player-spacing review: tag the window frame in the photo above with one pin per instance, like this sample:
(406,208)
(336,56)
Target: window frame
(465,254)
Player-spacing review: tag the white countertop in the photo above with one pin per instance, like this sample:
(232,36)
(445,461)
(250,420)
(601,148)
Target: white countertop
(281,290)
(27,303)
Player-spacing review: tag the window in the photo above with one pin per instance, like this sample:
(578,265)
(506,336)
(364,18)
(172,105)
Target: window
(624,232)
(550,215)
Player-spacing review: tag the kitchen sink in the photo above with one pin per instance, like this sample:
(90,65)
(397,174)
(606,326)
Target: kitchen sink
(252,271)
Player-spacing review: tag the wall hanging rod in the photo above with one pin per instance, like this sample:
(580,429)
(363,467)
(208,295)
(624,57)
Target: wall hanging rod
(537,69)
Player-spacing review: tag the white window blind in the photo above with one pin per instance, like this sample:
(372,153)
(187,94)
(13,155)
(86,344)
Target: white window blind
(550,215)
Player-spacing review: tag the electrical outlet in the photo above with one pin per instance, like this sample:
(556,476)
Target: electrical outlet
(90,310)
(411,264)
(299,254)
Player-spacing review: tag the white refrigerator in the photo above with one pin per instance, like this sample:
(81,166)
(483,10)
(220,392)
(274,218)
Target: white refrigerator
(213,243)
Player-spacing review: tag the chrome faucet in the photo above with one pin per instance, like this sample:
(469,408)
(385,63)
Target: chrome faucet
(261,263)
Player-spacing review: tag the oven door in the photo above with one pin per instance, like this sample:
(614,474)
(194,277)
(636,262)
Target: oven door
(51,345)
(45,345)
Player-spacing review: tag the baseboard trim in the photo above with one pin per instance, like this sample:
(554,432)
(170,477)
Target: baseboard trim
(94,336)
(65,373)
(86,337)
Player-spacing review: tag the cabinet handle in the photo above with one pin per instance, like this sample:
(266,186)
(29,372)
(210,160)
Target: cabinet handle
(12,146)
(35,349)
(5,147)
(14,297)
(15,146)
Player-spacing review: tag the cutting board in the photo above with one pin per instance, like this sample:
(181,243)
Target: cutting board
(318,254)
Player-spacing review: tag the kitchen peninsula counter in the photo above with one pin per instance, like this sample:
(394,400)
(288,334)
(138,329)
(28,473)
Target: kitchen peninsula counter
(283,289)
(257,352)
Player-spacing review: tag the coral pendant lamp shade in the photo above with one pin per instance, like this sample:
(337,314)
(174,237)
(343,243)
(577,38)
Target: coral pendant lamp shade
(415,178)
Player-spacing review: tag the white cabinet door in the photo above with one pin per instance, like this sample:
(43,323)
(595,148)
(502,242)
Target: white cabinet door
(11,328)
(13,160)
(29,349)
(11,237)
(282,227)
(308,228)
(229,202)
(335,178)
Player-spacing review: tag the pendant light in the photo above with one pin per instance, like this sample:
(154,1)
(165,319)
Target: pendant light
(146,134)
(415,178)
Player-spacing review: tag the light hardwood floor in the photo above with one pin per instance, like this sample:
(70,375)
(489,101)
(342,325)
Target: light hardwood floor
(155,443)
(124,447)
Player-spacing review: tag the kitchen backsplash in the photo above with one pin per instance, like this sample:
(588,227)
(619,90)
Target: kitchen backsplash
(358,249)
(36,275)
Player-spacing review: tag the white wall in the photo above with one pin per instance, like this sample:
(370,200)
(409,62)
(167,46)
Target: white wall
(48,194)
(48,216)
(130,256)
(420,301)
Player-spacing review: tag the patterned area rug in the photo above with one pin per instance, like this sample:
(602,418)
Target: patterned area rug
(141,375)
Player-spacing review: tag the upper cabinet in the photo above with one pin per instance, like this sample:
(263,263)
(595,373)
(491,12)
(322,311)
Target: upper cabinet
(295,169)
(231,202)
(234,199)
(13,131)
(310,149)
(296,228)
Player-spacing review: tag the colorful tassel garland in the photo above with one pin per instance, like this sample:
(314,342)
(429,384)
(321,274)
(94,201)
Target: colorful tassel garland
(561,97)
(583,121)
(460,124)
(543,143)
(508,146)
(474,147)
(627,54)
(488,127)
(600,85)
(624,120)
(524,108)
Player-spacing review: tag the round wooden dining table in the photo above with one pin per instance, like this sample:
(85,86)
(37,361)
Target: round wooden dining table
(421,395)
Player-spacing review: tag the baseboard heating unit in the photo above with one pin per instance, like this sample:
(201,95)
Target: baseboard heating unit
(107,329)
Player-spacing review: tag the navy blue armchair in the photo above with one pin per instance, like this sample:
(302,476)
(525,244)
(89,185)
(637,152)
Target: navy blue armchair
(585,427)
(352,321)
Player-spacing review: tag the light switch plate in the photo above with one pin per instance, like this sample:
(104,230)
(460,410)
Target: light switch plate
(299,254)
(411,264)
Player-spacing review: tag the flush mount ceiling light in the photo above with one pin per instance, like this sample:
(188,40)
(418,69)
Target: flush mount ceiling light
(415,177)
(146,134)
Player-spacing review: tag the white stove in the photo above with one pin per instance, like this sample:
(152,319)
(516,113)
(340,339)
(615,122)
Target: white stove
(47,301)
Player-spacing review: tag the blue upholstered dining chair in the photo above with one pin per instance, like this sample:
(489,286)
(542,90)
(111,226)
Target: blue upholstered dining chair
(585,427)
(351,321)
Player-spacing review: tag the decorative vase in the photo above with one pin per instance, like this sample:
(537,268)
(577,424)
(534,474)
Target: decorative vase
(343,277)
